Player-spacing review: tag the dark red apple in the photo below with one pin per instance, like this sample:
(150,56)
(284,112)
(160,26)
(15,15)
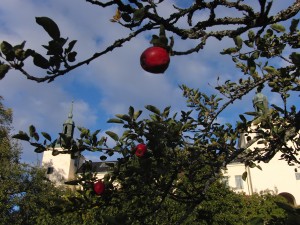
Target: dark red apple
(140,150)
(99,187)
(155,59)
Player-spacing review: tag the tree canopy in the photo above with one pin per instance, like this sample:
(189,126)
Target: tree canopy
(186,150)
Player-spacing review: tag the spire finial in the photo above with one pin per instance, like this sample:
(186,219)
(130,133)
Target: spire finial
(70,116)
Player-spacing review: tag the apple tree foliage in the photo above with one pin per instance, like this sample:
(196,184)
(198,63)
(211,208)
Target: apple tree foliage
(187,149)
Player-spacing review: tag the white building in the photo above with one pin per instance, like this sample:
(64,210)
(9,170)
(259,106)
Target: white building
(276,175)
(62,167)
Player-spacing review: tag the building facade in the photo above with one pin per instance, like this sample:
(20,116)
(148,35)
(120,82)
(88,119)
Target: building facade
(275,176)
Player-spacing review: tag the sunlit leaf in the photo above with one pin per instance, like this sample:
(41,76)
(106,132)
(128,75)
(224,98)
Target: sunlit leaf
(278,27)
(112,135)
(153,109)
(114,120)
(238,42)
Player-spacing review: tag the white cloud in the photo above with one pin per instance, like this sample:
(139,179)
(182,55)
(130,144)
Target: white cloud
(108,85)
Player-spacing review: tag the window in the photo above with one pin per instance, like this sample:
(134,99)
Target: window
(50,170)
(225,181)
(239,182)
(297,176)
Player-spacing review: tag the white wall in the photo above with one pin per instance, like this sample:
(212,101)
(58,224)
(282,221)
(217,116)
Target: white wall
(64,166)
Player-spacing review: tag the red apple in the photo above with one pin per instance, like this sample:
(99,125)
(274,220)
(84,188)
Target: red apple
(140,150)
(155,59)
(99,187)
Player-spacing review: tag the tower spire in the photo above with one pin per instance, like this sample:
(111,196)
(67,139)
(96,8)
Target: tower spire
(71,111)
(260,102)
(69,125)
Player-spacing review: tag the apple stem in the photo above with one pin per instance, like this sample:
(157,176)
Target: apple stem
(162,31)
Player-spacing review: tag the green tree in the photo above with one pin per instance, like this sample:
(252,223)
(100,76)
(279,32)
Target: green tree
(26,195)
(186,150)
(10,169)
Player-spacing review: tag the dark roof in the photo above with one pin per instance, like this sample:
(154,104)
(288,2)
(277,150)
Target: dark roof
(98,167)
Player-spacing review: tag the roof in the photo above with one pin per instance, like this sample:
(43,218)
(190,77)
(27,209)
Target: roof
(98,167)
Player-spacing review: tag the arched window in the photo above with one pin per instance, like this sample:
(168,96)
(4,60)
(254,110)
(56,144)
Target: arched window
(289,197)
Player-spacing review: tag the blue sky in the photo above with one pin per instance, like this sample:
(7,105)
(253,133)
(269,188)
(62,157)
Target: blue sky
(110,84)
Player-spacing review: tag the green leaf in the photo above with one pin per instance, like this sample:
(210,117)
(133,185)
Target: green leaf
(73,182)
(252,165)
(49,26)
(40,61)
(72,56)
(295,57)
(139,14)
(21,136)
(126,17)
(259,167)
(278,108)
(46,135)
(238,42)
(243,118)
(96,132)
(155,40)
(114,120)
(36,136)
(20,54)
(32,130)
(20,46)
(229,51)
(278,27)
(40,149)
(251,66)
(294,25)
(153,109)
(4,68)
(6,48)
(112,135)
(249,43)
(244,176)
(137,114)
(103,157)
(123,117)
(131,111)
(251,113)
(255,55)
(71,45)
(270,69)
(251,35)
(55,152)
(166,111)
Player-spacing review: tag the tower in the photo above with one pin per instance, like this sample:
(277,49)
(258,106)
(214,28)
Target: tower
(260,103)
(69,125)
(62,167)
